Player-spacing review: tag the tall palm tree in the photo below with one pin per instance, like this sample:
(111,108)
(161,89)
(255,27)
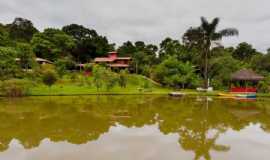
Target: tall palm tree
(209,35)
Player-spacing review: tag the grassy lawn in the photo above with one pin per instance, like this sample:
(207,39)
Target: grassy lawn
(135,85)
(72,89)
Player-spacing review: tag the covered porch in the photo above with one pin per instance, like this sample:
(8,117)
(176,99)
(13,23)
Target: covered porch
(245,81)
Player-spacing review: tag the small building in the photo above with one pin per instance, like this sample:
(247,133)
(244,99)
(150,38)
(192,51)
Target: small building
(113,61)
(38,60)
(245,81)
(43,61)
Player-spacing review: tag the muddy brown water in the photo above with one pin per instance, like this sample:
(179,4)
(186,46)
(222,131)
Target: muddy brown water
(133,128)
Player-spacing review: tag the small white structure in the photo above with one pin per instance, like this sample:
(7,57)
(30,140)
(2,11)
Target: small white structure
(209,89)
(38,60)
(176,94)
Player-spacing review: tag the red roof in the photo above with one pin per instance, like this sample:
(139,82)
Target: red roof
(112,57)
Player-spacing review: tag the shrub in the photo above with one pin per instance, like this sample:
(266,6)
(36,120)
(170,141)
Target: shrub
(98,75)
(36,74)
(74,77)
(63,65)
(104,77)
(15,87)
(264,86)
(147,86)
(88,67)
(123,78)
(49,77)
(110,79)
(217,84)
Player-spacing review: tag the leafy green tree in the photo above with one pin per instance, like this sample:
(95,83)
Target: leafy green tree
(26,55)
(4,36)
(21,30)
(221,69)
(170,47)
(193,38)
(127,49)
(52,44)
(244,51)
(176,73)
(220,52)
(260,63)
(88,43)
(8,65)
(144,56)
(203,38)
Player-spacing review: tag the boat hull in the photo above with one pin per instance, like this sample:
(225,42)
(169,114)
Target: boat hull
(239,95)
(246,96)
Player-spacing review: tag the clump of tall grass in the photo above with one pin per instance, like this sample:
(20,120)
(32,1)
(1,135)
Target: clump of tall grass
(15,87)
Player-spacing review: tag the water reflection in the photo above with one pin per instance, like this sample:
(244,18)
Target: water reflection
(198,122)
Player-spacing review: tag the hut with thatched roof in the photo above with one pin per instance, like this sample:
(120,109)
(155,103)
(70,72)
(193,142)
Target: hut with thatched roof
(245,80)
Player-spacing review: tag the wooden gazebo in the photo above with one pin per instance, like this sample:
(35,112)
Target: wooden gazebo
(245,80)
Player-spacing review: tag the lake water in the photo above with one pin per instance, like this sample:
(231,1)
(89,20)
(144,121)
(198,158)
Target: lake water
(133,128)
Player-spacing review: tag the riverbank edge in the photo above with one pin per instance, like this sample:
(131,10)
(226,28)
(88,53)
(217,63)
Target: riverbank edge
(186,93)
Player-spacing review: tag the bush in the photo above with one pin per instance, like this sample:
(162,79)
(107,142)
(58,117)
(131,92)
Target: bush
(110,79)
(98,76)
(147,86)
(123,78)
(74,77)
(107,78)
(35,74)
(264,86)
(217,84)
(63,65)
(49,77)
(88,67)
(15,87)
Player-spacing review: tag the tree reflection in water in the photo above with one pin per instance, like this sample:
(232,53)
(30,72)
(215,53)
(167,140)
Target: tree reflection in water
(81,119)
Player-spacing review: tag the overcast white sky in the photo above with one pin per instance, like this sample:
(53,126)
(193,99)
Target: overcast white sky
(147,20)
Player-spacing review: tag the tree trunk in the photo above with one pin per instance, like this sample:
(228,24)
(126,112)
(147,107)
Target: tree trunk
(136,67)
(206,53)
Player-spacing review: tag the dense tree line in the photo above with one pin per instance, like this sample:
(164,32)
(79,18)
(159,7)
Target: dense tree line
(185,62)
(77,42)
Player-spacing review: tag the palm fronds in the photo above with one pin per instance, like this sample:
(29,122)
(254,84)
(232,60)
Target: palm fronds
(229,32)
